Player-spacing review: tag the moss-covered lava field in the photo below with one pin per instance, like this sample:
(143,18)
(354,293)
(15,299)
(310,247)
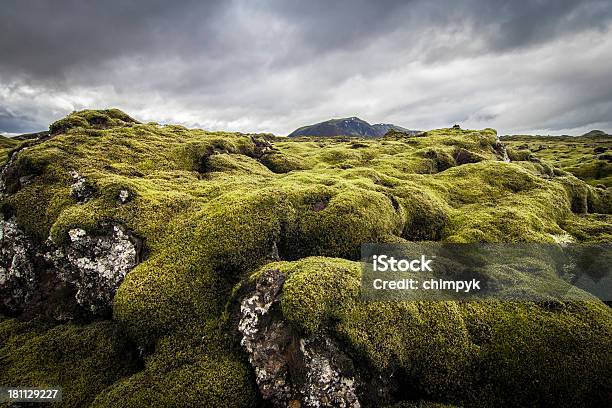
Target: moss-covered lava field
(133,255)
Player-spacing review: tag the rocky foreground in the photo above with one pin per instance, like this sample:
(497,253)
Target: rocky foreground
(156,265)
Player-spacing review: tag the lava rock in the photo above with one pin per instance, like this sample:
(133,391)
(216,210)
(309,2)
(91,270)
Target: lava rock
(81,190)
(124,196)
(96,265)
(18,280)
(292,369)
(463,156)
(64,282)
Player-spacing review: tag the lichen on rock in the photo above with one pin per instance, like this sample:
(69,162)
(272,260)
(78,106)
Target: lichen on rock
(18,278)
(292,370)
(124,196)
(96,265)
(93,265)
(81,189)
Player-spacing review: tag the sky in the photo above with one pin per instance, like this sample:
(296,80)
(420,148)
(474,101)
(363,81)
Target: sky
(534,66)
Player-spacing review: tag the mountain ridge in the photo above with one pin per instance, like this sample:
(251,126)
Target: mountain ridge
(351,126)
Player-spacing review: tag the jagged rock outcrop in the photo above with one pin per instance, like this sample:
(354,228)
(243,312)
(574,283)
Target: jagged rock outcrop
(262,146)
(500,149)
(292,370)
(96,265)
(7,180)
(90,269)
(81,190)
(17,273)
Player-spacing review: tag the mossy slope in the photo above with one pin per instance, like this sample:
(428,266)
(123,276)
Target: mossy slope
(473,353)
(587,157)
(6,146)
(83,360)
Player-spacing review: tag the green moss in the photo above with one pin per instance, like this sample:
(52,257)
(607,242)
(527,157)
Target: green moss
(596,172)
(7,145)
(315,288)
(7,142)
(584,157)
(426,213)
(235,163)
(37,203)
(67,123)
(530,353)
(329,222)
(198,263)
(211,207)
(519,154)
(91,118)
(473,353)
(83,360)
(590,227)
(439,159)
(283,163)
(187,370)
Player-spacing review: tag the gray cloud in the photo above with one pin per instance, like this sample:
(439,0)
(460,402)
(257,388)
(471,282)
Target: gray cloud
(275,65)
(11,122)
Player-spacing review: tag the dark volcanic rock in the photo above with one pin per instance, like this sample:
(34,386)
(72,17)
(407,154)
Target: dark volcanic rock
(18,280)
(66,282)
(96,265)
(600,149)
(463,156)
(81,190)
(291,369)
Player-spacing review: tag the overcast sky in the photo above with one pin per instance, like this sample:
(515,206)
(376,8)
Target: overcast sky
(517,66)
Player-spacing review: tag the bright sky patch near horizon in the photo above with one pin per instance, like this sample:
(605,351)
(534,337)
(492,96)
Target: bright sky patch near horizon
(536,66)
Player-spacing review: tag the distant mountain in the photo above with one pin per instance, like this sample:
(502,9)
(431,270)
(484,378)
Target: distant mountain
(348,127)
(595,133)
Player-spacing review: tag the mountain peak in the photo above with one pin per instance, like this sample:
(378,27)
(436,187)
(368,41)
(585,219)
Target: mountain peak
(351,126)
(595,133)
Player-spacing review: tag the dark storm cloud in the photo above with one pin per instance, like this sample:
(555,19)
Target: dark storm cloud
(11,122)
(45,37)
(276,64)
(503,23)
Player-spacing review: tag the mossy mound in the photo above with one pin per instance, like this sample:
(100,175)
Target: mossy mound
(473,353)
(188,369)
(83,360)
(91,119)
(586,157)
(212,207)
(7,145)
(7,142)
